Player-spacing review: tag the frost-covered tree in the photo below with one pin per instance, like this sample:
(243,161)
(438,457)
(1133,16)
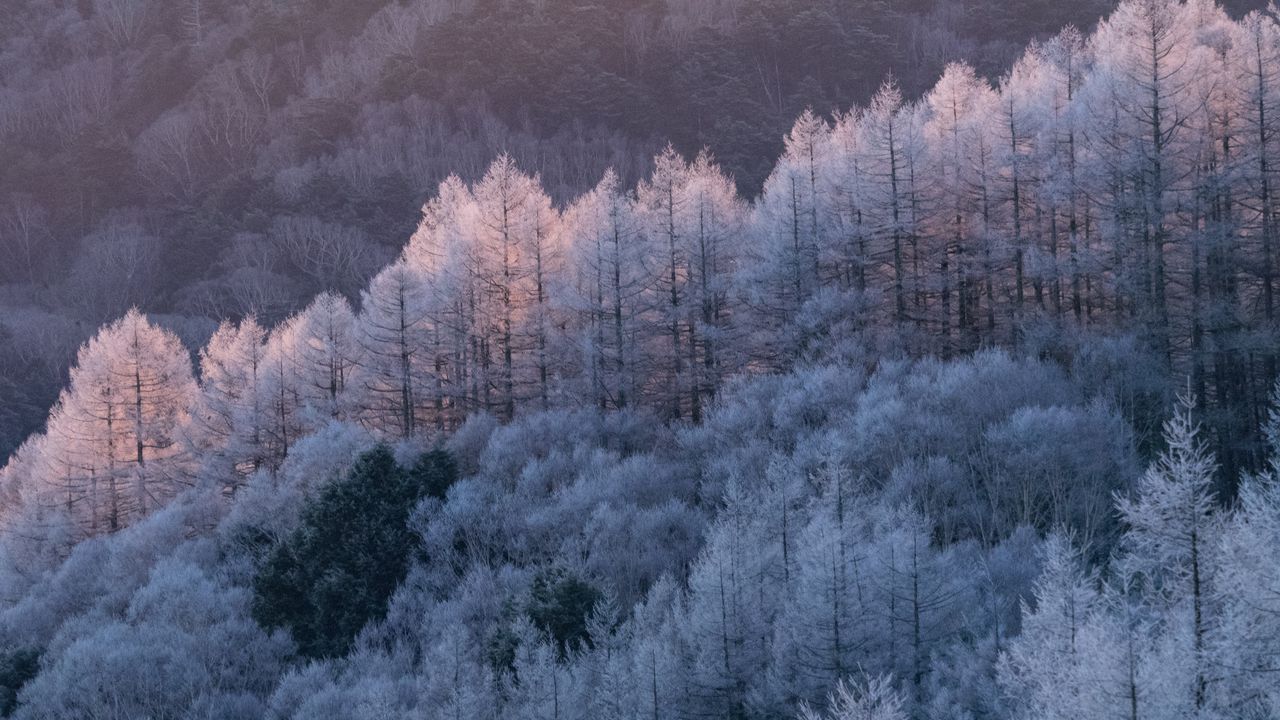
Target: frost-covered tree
(545,257)
(732,597)
(962,258)
(662,202)
(874,699)
(920,600)
(1024,109)
(328,351)
(1255,50)
(606,294)
(288,417)
(890,147)
(828,617)
(715,218)
(1045,669)
(1065,60)
(507,238)
(437,255)
(791,220)
(539,687)
(1171,535)
(233,410)
(1142,92)
(462,684)
(116,445)
(394,379)
(1248,588)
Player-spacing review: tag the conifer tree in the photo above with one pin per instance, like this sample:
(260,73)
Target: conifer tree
(117,439)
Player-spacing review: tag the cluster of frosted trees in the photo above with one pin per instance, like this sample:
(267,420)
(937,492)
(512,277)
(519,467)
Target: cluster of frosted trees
(1182,623)
(814,579)
(499,302)
(1125,179)
(725,591)
(1120,181)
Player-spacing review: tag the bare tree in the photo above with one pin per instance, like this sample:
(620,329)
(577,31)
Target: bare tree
(334,256)
(23,235)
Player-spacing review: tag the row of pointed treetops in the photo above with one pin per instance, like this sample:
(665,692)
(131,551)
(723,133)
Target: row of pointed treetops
(1125,180)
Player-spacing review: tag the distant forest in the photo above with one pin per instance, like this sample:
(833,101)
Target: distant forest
(166,154)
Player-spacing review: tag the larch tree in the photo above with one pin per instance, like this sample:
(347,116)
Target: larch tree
(1045,668)
(328,351)
(1172,532)
(1214,284)
(283,390)
(920,597)
(539,687)
(545,261)
(890,142)
(872,699)
(830,601)
(1024,100)
(1147,75)
(1065,60)
(714,217)
(118,435)
(606,292)
(1249,585)
(732,596)
(959,137)
(393,379)
(1236,360)
(663,203)
(465,687)
(847,250)
(438,253)
(1256,62)
(828,614)
(502,264)
(232,409)
(790,217)
(1121,643)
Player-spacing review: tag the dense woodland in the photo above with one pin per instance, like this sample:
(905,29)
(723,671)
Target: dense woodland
(969,412)
(204,159)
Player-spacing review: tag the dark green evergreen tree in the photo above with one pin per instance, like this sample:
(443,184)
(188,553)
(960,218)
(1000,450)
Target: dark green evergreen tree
(560,603)
(16,668)
(336,572)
